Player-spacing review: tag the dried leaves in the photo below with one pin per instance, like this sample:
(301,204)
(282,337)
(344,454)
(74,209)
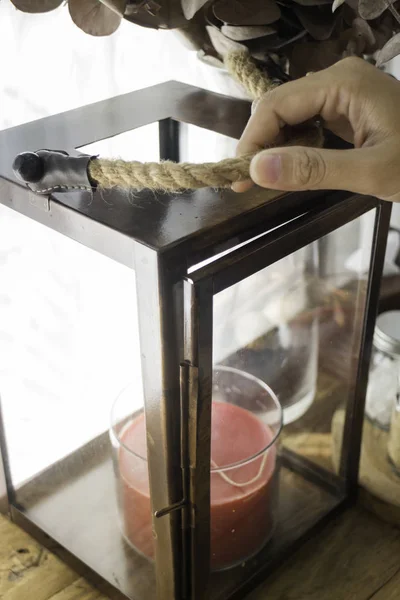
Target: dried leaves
(93,17)
(191,7)
(221,43)
(118,6)
(372,9)
(247,12)
(284,36)
(36,6)
(242,34)
(389,51)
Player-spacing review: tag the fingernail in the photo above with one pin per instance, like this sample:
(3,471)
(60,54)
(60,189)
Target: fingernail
(266,168)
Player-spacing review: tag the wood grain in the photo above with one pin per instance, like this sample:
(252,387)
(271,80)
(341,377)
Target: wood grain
(27,571)
(390,591)
(379,483)
(354,556)
(79,590)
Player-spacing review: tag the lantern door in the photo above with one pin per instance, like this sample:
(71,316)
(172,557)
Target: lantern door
(274,345)
(72,430)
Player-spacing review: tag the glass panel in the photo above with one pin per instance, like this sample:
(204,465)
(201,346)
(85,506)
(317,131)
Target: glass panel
(202,145)
(68,344)
(338,297)
(255,331)
(3,487)
(290,333)
(128,434)
(196,144)
(138,144)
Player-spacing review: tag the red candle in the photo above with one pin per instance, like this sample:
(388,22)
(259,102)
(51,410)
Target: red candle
(242,497)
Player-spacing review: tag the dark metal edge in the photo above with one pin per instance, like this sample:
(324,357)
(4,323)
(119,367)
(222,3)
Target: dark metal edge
(285,240)
(352,431)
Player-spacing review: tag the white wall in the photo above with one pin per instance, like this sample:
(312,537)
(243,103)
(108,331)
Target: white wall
(48,65)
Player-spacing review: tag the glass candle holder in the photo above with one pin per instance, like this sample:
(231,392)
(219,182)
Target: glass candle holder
(245,427)
(268,326)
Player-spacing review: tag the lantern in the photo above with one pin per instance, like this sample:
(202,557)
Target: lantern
(197,321)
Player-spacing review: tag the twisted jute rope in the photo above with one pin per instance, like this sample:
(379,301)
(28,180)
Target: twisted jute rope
(170,176)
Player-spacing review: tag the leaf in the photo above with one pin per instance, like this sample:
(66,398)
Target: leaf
(209,60)
(250,32)
(313,56)
(348,13)
(389,50)
(93,17)
(222,44)
(312,2)
(118,6)
(372,9)
(191,7)
(273,43)
(337,4)
(319,23)
(353,4)
(382,35)
(36,6)
(193,36)
(352,43)
(247,12)
(362,29)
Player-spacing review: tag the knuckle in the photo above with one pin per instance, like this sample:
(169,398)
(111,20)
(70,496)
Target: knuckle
(350,71)
(352,63)
(269,97)
(310,168)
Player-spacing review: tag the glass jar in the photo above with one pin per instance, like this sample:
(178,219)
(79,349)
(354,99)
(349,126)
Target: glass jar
(246,423)
(383,382)
(394,437)
(267,325)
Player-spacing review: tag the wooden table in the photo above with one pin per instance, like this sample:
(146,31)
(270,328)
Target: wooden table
(357,557)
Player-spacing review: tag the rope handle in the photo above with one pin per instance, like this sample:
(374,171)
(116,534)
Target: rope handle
(170,176)
(49,171)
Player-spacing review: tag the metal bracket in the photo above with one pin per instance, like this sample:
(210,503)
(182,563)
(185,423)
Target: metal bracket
(171,508)
(188,422)
(40,201)
(188,428)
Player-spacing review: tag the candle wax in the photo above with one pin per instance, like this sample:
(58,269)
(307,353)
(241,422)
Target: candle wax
(241,496)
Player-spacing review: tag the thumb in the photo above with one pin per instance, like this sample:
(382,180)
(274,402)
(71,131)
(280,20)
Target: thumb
(302,168)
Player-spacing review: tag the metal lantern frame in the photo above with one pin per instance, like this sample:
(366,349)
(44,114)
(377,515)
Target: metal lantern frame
(186,248)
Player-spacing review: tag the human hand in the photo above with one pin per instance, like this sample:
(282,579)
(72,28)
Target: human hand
(358,103)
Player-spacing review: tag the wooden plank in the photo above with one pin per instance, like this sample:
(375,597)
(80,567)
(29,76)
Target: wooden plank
(352,558)
(380,485)
(355,557)
(390,591)
(79,590)
(27,571)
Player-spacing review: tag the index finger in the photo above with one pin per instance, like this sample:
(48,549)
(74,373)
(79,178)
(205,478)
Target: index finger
(290,104)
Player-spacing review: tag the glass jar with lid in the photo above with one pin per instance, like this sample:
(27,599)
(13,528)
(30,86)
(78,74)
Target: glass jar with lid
(383,383)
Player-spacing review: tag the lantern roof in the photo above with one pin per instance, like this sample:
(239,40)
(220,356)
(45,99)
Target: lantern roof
(190,221)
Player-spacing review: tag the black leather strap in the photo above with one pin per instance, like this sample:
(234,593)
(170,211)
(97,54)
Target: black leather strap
(47,171)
